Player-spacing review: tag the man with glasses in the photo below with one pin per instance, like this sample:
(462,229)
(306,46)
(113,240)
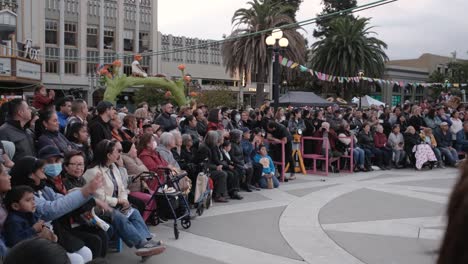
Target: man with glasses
(165,120)
(99,127)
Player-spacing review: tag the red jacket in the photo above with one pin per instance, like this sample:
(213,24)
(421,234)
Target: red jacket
(332,137)
(40,101)
(215,126)
(153,162)
(380,140)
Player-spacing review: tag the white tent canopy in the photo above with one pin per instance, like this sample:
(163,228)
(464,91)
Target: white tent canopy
(367,101)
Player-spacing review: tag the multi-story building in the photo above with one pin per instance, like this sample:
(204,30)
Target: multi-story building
(74,36)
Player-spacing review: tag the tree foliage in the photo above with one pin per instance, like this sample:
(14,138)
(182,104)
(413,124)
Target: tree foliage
(251,54)
(293,3)
(329,7)
(349,48)
(220,96)
(153,96)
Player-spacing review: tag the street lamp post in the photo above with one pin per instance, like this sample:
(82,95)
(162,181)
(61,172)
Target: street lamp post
(446,85)
(360,74)
(277,42)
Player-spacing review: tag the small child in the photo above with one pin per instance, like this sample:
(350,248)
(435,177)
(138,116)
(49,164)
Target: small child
(268,171)
(21,222)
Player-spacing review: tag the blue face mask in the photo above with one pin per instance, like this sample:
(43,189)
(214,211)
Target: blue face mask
(53,170)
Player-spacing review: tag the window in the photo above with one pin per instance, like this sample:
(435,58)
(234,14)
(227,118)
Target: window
(144,42)
(51,31)
(71,67)
(51,66)
(91,68)
(108,38)
(70,34)
(71,61)
(127,70)
(92,37)
(51,63)
(128,40)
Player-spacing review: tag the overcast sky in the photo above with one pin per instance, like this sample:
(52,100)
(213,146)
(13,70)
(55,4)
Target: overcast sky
(409,27)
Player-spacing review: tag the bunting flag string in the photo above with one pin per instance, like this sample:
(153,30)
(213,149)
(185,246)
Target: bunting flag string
(356,79)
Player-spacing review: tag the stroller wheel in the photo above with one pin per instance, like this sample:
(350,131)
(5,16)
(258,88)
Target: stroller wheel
(186,223)
(176,232)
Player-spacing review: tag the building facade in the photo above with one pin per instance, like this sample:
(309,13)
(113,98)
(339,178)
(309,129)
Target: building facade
(73,37)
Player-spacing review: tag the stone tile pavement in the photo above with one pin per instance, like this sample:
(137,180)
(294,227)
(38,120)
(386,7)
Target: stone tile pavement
(380,217)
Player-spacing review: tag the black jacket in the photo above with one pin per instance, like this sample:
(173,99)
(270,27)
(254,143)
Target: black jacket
(99,130)
(166,122)
(24,142)
(237,154)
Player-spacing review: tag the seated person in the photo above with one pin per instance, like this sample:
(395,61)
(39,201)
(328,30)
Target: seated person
(268,172)
(22,223)
(125,220)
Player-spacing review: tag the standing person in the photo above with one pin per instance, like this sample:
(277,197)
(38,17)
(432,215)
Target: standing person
(63,108)
(99,127)
(279,134)
(245,120)
(127,222)
(165,120)
(397,142)
(41,98)
(14,129)
(296,122)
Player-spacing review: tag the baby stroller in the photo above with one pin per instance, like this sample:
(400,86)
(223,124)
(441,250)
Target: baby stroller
(170,202)
(424,156)
(203,190)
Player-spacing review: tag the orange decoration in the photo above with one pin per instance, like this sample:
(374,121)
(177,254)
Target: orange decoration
(168,94)
(187,78)
(181,67)
(193,94)
(117,63)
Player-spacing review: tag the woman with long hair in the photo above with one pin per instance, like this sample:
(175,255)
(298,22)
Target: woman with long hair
(77,134)
(49,132)
(215,120)
(127,222)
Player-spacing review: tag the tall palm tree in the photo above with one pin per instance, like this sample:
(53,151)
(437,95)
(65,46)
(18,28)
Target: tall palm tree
(250,54)
(348,48)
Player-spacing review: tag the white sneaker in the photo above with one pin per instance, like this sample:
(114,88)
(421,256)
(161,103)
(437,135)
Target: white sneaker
(150,248)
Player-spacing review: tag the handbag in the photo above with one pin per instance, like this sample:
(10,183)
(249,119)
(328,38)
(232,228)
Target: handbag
(270,183)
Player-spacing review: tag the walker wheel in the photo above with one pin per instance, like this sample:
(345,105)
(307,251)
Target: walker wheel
(186,223)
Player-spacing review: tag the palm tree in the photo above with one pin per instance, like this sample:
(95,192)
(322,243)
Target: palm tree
(250,54)
(347,48)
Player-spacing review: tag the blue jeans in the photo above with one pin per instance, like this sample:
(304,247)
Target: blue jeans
(450,154)
(359,156)
(264,184)
(132,229)
(437,154)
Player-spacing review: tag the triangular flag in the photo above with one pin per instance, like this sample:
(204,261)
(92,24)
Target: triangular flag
(302,68)
(284,62)
(319,75)
(294,65)
(289,64)
(311,72)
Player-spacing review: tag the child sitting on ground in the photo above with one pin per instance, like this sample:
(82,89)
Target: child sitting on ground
(268,171)
(22,223)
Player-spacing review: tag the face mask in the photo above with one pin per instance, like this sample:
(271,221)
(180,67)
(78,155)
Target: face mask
(53,170)
(237,117)
(283,118)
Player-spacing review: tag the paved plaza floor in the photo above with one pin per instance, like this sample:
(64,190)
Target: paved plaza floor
(380,217)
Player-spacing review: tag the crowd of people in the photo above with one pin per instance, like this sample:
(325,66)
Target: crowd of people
(64,163)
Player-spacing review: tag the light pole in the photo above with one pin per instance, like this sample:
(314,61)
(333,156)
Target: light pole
(277,42)
(446,85)
(360,74)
